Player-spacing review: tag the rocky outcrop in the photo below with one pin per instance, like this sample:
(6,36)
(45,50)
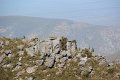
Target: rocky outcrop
(53,50)
(36,59)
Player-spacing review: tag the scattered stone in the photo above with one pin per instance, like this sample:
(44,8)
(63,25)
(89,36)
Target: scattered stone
(7,43)
(40,62)
(75,59)
(30,78)
(20,78)
(61,65)
(1,44)
(10,55)
(20,47)
(117,75)
(45,71)
(31,69)
(20,58)
(103,62)
(20,73)
(7,52)
(59,72)
(86,71)
(48,75)
(2,57)
(16,68)
(9,66)
(78,55)
(83,60)
(19,64)
(2,51)
(21,53)
(78,77)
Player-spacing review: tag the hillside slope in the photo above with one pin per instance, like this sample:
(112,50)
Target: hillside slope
(56,58)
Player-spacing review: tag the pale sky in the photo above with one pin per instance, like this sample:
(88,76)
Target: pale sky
(100,12)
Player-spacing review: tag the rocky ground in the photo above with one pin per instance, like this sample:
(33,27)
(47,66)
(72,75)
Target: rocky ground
(54,59)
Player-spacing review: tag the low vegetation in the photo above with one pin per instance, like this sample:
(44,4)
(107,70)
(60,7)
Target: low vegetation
(14,66)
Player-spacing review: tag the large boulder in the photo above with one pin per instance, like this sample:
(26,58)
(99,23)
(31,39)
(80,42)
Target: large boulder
(44,47)
(31,69)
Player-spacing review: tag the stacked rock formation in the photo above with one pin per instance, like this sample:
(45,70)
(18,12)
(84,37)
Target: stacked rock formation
(53,50)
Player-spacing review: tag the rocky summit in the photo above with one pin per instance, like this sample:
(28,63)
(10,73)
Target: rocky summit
(55,58)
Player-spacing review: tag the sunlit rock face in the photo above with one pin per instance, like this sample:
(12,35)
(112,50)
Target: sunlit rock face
(53,45)
(71,47)
(54,49)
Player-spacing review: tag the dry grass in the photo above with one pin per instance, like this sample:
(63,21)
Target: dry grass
(71,72)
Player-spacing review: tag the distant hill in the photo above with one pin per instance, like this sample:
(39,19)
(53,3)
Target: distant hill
(114,57)
(104,39)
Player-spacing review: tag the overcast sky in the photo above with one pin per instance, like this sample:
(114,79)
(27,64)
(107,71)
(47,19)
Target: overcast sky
(100,12)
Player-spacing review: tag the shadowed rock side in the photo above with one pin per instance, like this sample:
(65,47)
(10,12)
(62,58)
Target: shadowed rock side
(56,58)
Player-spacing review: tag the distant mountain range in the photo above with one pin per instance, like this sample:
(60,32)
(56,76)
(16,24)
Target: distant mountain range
(104,39)
(113,57)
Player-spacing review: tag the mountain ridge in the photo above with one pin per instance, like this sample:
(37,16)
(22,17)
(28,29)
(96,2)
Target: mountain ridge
(104,39)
